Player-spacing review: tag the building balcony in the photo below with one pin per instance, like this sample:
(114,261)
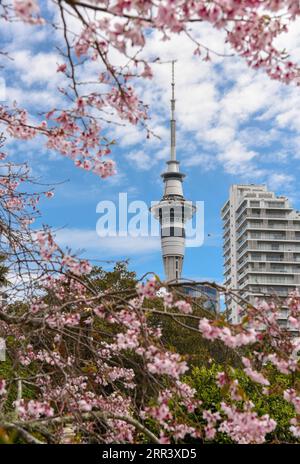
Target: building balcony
(225,208)
(251,216)
(226,252)
(269,282)
(274,238)
(269,272)
(260,294)
(275,247)
(227,260)
(226,225)
(284,227)
(241,210)
(226,241)
(267,204)
(267,260)
(227,281)
(226,233)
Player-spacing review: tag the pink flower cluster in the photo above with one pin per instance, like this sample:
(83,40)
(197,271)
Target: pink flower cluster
(187,395)
(28,11)
(14,203)
(221,379)
(285,366)
(130,319)
(127,105)
(109,374)
(148,289)
(163,414)
(2,387)
(253,374)
(212,418)
(77,267)
(183,306)
(33,409)
(246,426)
(211,331)
(100,311)
(18,124)
(63,319)
(165,363)
(46,244)
(128,340)
(290,395)
(293,303)
(235,390)
(53,358)
(37,306)
(251,28)
(295,427)
(168,300)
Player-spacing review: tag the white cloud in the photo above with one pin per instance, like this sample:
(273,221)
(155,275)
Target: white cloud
(278,180)
(220,135)
(236,157)
(37,68)
(89,241)
(34,99)
(216,100)
(141,160)
(256,137)
(205,160)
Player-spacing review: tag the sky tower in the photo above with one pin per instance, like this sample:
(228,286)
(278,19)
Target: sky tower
(173,210)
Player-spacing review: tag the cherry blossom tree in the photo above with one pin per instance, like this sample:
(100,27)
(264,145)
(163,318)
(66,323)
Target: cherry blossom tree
(89,365)
(112,34)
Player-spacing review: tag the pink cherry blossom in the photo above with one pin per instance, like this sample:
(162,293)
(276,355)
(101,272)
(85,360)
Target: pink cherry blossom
(165,363)
(295,428)
(28,11)
(148,289)
(183,306)
(291,396)
(62,68)
(246,426)
(33,409)
(253,374)
(49,194)
(2,387)
(221,379)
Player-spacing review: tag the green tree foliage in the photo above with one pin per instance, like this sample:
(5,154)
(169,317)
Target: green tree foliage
(3,273)
(119,278)
(203,379)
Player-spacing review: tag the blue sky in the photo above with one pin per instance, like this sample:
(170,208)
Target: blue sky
(234,126)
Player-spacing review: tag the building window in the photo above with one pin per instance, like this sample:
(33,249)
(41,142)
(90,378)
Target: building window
(255,212)
(275,246)
(171,215)
(275,204)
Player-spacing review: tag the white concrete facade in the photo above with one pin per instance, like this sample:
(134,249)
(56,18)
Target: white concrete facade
(261,246)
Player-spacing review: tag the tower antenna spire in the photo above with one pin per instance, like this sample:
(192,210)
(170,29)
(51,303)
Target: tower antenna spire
(173,121)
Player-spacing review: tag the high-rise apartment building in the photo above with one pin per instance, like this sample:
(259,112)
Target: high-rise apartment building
(261,236)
